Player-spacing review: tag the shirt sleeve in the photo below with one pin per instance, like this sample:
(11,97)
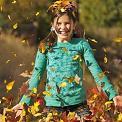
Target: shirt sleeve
(97,72)
(39,68)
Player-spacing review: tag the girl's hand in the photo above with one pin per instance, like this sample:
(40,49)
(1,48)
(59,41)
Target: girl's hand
(18,109)
(118,102)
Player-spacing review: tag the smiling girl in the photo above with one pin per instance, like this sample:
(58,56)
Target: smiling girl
(62,53)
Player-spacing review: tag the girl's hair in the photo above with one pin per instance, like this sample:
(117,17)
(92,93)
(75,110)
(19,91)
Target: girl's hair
(78,32)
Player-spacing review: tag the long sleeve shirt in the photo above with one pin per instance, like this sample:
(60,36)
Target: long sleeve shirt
(63,64)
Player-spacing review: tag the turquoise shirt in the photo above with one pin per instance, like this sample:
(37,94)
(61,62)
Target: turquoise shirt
(63,63)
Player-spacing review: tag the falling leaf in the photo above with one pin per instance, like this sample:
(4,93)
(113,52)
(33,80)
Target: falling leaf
(24,88)
(37,13)
(9,17)
(15,55)
(14,1)
(25,74)
(63,84)
(101,75)
(75,57)
(119,117)
(118,40)
(8,61)
(23,41)
(42,47)
(47,93)
(15,26)
(93,40)
(21,65)
(62,10)
(34,90)
(9,86)
(2,118)
(105,59)
(37,114)
(77,79)
(32,63)
(71,115)
(104,49)
(70,79)
(49,87)
(5,81)
(1,8)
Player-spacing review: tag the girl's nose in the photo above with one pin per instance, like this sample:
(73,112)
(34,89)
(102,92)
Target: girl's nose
(63,26)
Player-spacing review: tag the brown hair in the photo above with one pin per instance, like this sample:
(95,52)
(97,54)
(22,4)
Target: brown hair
(50,39)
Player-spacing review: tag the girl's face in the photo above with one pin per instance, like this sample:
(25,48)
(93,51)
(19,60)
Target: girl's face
(63,27)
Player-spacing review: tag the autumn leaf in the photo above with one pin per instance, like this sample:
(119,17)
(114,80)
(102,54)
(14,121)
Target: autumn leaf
(105,59)
(42,47)
(47,93)
(75,57)
(15,26)
(34,90)
(37,13)
(8,61)
(77,79)
(9,86)
(63,84)
(70,79)
(119,117)
(14,1)
(25,74)
(24,88)
(118,40)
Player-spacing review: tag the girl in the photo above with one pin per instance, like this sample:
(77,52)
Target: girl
(61,53)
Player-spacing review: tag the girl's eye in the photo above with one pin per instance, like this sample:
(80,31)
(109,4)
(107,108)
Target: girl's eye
(58,24)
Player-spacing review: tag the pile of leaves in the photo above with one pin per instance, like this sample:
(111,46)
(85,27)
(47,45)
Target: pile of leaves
(102,110)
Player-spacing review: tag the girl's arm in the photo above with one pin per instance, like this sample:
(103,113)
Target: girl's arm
(39,68)
(96,71)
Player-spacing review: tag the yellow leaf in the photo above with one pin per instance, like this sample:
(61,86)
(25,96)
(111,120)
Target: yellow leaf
(8,61)
(14,1)
(47,93)
(37,114)
(9,17)
(15,26)
(2,118)
(70,80)
(1,8)
(105,59)
(5,81)
(37,13)
(101,75)
(64,49)
(62,10)
(77,79)
(21,65)
(34,90)
(23,41)
(118,40)
(75,57)
(32,63)
(63,84)
(119,117)
(104,50)
(108,102)
(42,47)
(93,40)
(9,86)
(71,115)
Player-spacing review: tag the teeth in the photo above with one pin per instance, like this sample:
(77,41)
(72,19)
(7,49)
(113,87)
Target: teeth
(63,32)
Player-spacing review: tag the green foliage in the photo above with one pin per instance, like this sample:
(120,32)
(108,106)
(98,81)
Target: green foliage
(100,12)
